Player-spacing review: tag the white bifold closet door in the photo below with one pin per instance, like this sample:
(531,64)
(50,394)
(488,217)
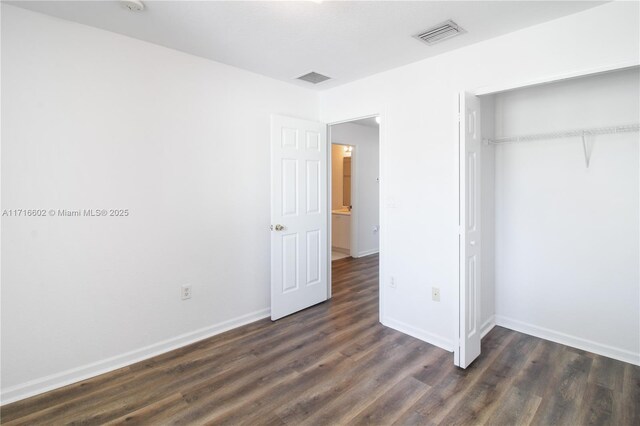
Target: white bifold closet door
(299,215)
(470,137)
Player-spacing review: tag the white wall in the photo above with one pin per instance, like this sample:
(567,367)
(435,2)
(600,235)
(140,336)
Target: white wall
(365,196)
(419,175)
(94,120)
(567,236)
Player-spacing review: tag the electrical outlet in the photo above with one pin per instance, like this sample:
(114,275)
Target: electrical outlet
(392,282)
(435,294)
(185,292)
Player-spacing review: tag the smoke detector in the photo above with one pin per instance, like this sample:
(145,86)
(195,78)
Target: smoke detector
(132,5)
(313,78)
(440,32)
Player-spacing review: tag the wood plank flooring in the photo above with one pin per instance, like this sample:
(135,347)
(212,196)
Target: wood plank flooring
(334,364)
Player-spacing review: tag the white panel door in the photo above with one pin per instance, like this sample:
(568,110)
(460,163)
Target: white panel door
(298,215)
(470,142)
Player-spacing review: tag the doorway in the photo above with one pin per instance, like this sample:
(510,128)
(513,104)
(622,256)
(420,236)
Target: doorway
(549,176)
(301,269)
(341,207)
(354,188)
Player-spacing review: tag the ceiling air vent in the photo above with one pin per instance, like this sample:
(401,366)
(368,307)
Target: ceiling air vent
(314,78)
(440,32)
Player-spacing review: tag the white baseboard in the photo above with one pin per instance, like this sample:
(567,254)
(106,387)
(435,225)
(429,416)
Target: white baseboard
(367,252)
(568,340)
(418,333)
(341,250)
(488,326)
(54,381)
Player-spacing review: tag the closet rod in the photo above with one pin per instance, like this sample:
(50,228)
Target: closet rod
(572,133)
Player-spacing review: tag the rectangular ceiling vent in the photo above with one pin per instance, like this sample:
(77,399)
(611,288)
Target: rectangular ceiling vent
(314,78)
(440,32)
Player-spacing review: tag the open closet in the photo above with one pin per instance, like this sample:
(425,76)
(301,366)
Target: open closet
(560,212)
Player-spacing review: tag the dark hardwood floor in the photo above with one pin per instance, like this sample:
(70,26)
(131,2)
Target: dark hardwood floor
(335,364)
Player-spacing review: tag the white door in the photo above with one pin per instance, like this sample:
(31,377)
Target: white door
(298,215)
(470,139)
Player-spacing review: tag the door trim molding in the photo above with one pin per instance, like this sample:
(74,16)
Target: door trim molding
(554,78)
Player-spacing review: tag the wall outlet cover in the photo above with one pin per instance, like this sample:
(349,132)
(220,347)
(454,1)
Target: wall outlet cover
(435,294)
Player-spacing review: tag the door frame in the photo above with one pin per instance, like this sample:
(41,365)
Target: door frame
(493,90)
(382,126)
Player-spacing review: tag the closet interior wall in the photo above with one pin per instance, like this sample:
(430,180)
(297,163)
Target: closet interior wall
(560,239)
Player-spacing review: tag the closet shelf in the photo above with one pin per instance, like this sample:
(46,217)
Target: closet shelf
(567,134)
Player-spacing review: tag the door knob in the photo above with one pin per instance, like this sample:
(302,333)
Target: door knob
(277,227)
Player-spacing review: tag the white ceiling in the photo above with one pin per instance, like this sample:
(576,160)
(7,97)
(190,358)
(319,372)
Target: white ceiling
(345,40)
